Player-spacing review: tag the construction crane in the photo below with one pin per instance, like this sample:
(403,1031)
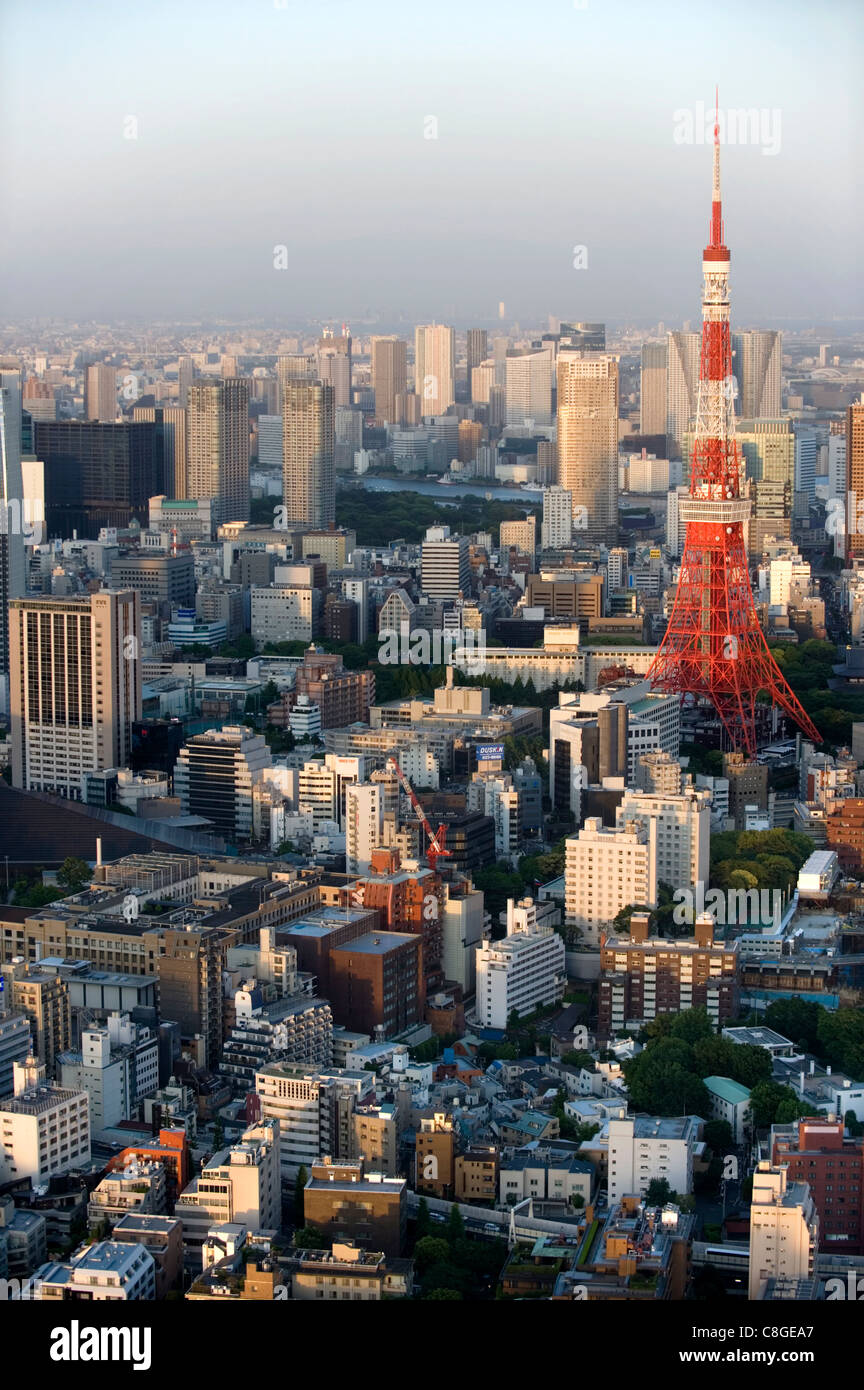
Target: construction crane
(437,846)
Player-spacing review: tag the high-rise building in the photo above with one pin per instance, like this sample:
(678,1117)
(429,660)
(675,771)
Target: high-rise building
(218,447)
(819,1151)
(75,687)
(854,475)
(214,776)
(807,443)
(185,377)
(588,442)
(308,452)
(334,366)
(240,1184)
(12,500)
(100,394)
(477,348)
(682,390)
(170,422)
(435,367)
(362,826)
(606,870)
(653,384)
(557,528)
(784,1230)
(529,388)
(756,364)
(444,566)
(683,832)
(190,987)
(389,376)
(44,1129)
(97,474)
(520,535)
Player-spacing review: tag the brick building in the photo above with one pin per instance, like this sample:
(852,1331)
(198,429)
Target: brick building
(642,976)
(833,1167)
(347,1204)
(844,827)
(376,983)
(343,697)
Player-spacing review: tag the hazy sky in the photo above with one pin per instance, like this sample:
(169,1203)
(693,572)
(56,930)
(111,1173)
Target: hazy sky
(301,124)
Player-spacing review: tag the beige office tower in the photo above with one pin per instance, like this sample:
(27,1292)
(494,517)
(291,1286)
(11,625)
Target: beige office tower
(682,390)
(435,367)
(100,394)
(334,366)
(588,442)
(217,442)
(756,364)
(482,382)
(75,687)
(854,477)
(308,452)
(389,376)
(652,397)
(171,420)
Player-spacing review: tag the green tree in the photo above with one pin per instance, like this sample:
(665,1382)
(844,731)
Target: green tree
(718,1136)
(74,873)
(455,1224)
(659,1193)
(692,1024)
(423,1224)
(309,1238)
(299,1185)
(451,1294)
(429,1251)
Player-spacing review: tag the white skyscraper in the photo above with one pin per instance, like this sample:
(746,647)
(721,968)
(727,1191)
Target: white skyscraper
(529,388)
(756,364)
(557,528)
(682,387)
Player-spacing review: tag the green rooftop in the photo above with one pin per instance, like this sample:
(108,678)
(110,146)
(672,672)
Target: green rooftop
(726,1089)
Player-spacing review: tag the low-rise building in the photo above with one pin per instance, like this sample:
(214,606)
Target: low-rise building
(107,1271)
(730,1101)
(348,1204)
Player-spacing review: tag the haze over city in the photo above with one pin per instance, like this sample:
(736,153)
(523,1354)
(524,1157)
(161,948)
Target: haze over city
(307,126)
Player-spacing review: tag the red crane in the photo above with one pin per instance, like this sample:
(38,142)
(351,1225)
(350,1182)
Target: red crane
(437,847)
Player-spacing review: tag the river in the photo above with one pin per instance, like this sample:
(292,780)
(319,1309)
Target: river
(448,493)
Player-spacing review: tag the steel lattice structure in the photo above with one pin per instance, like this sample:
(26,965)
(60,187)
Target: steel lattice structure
(714,647)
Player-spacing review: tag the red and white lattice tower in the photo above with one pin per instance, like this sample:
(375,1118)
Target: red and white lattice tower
(714,647)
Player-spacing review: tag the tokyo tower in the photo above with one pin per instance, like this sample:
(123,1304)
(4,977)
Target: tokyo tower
(714,647)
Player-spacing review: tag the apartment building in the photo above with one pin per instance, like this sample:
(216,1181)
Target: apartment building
(521,972)
(44,1129)
(346,1203)
(315,1110)
(607,869)
(642,977)
(239,1185)
(784,1229)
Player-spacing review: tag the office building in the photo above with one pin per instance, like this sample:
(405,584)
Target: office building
(162,579)
(363,826)
(445,571)
(389,376)
(308,452)
(42,996)
(75,687)
(854,477)
(521,972)
(100,394)
(588,442)
(347,1203)
(477,347)
(12,550)
(334,367)
(170,422)
(376,983)
(652,395)
(218,447)
(529,389)
(682,389)
(15,1046)
(190,987)
(315,1108)
(118,1066)
(582,337)
(643,976)
(214,776)
(784,1229)
(435,367)
(557,527)
(756,365)
(97,475)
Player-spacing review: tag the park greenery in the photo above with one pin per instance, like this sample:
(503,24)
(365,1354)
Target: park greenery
(378,516)
(448,1263)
